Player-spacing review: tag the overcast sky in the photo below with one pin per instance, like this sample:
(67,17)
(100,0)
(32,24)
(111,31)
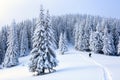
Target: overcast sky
(28,9)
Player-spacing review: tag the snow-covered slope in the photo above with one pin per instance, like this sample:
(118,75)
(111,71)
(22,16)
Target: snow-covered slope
(74,65)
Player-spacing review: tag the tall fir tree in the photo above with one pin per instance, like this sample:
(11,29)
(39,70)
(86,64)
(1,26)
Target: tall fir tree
(24,42)
(86,35)
(1,54)
(42,55)
(76,33)
(62,43)
(66,41)
(50,57)
(108,42)
(4,35)
(96,43)
(3,43)
(81,37)
(12,54)
(1,49)
(118,47)
(51,31)
(37,53)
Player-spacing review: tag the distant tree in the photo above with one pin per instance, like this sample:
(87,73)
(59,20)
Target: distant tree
(42,55)
(55,24)
(1,50)
(1,55)
(24,42)
(11,56)
(82,41)
(19,31)
(86,35)
(29,26)
(96,44)
(3,43)
(4,34)
(76,32)
(118,47)
(62,43)
(66,41)
(108,42)
(116,32)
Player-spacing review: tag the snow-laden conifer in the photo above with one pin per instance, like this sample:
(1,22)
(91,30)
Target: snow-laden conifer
(62,43)
(118,47)
(12,54)
(96,43)
(42,55)
(24,42)
(108,42)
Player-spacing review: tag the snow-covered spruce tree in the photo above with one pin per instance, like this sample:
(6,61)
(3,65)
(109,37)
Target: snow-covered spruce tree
(38,51)
(96,43)
(62,43)
(81,44)
(24,42)
(1,54)
(108,43)
(51,31)
(11,56)
(66,41)
(1,50)
(76,33)
(4,35)
(86,36)
(29,25)
(42,55)
(3,43)
(33,27)
(50,57)
(118,47)
(116,31)
(20,28)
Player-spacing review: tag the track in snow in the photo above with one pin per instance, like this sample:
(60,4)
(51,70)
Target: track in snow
(106,73)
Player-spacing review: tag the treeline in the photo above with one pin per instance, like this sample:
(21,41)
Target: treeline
(85,32)
(90,33)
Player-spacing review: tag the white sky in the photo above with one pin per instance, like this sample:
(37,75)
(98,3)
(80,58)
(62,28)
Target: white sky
(28,9)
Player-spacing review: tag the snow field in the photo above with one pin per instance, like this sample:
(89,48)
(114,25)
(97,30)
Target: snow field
(74,65)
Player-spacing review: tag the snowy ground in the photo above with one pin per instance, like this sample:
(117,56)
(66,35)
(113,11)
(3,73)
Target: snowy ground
(74,65)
